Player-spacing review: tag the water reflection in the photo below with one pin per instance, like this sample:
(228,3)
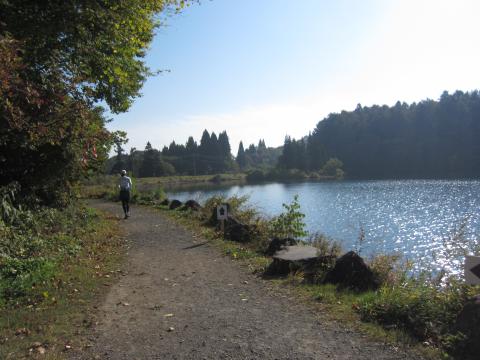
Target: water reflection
(409,216)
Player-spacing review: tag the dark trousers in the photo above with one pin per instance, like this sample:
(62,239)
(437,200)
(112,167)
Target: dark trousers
(125,198)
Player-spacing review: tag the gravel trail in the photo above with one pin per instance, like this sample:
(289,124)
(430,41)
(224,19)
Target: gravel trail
(179,298)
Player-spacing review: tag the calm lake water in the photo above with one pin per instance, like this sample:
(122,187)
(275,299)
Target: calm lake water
(412,217)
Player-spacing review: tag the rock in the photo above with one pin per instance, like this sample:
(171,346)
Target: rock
(293,258)
(277,244)
(350,271)
(235,230)
(165,202)
(239,233)
(191,205)
(175,204)
(467,323)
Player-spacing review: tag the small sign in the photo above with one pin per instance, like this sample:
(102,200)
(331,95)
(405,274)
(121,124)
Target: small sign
(472,270)
(222,212)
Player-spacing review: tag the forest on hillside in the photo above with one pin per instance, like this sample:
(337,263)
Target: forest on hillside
(429,139)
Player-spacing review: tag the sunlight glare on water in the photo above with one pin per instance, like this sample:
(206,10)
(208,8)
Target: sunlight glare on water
(412,217)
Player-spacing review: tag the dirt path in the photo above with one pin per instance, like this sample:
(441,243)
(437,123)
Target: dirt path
(212,307)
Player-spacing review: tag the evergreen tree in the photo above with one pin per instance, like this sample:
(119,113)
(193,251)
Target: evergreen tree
(204,147)
(241,159)
(429,139)
(150,162)
(119,164)
(224,146)
(191,146)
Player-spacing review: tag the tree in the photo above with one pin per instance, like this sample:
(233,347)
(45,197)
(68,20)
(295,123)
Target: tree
(333,167)
(289,224)
(429,139)
(100,45)
(224,146)
(241,160)
(119,164)
(60,59)
(49,136)
(150,161)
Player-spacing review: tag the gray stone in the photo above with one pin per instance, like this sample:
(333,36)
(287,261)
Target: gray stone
(191,205)
(175,204)
(352,272)
(294,258)
(277,244)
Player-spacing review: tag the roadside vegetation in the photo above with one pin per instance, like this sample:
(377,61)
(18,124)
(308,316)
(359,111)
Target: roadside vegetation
(53,265)
(418,309)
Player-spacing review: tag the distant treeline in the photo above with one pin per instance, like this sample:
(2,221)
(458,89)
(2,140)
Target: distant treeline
(213,155)
(429,139)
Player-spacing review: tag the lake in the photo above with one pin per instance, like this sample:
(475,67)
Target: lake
(411,217)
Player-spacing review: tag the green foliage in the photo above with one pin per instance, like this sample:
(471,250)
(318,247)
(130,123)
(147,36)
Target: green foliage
(326,246)
(148,197)
(389,269)
(60,59)
(424,310)
(333,167)
(280,174)
(32,246)
(290,223)
(100,45)
(24,277)
(241,158)
(429,139)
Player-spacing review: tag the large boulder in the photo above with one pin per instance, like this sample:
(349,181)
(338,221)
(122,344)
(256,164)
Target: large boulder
(191,205)
(467,323)
(277,244)
(352,272)
(175,204)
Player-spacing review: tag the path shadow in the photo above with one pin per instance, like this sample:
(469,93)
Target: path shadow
(195,246)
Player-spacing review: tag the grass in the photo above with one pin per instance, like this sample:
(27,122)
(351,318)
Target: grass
(102,186)
(55,313)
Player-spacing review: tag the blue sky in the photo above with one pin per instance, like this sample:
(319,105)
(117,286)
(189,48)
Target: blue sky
(267,68)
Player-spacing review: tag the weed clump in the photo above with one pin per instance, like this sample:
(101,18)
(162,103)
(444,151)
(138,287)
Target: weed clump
(33,244)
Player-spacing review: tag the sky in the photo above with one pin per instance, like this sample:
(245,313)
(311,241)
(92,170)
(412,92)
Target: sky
(263,69)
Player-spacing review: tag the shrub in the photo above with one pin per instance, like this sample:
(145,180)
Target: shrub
(24,277)
(256,176)
(389,270)
(326,246)
(425,311)
(290,223)
(33,243)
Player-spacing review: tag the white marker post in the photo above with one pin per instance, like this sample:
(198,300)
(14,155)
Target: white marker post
(472,270)
(222,215)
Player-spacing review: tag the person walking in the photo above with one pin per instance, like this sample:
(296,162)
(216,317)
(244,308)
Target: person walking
(125,189)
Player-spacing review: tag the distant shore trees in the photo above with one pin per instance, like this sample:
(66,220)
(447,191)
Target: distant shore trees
(429,139)
(212,155)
